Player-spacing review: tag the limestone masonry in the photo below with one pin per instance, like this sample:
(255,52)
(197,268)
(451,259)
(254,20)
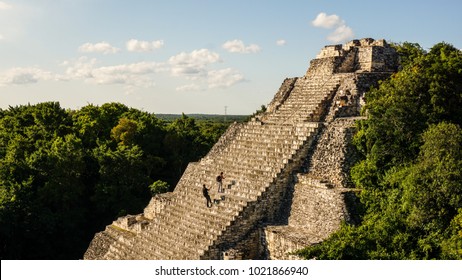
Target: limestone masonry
(286,173)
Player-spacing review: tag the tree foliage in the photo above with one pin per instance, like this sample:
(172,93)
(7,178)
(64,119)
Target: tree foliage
(65,174)
(158,186)
(411,172)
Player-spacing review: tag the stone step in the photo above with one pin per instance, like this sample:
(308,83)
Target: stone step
(163,248)
(207,227)
(173,240)
(200,211)
(166,241)
(120,247)
(199,215)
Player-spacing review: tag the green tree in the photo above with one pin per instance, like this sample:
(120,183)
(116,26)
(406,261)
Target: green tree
(408,52)
(61,202)
(185,143)
(433,187)
(158,187)
(93,124)
(41,187)
(123,183)
(124,132)
(452,246)
(212,131)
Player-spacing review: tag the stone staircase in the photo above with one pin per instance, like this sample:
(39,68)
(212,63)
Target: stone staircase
(186,228)
(284,166)
(307,100)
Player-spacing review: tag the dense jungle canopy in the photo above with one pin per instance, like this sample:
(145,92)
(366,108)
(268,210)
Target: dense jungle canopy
(65,174)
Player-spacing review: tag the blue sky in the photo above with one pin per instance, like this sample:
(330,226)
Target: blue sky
(190,56)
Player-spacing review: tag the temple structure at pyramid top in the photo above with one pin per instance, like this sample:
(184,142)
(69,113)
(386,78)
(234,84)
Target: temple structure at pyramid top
(286,172)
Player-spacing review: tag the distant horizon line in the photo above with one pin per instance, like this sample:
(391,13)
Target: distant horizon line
(6,107)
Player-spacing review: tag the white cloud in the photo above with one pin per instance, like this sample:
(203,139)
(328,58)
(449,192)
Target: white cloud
(281,42)
(143,46)
(102,47)
(192,64)
(24,76)
(195,66)
(325,21)
(134,74)
(5,6)
(80,69)
(224,78)
(341,33)
(237,46)
(85,69)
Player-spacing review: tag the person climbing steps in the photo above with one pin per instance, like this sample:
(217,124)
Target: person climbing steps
(220,182)
(205,192)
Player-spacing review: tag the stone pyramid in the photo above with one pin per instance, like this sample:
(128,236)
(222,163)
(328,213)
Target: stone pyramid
(286,173)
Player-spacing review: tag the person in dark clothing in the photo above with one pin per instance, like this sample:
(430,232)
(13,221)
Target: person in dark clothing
(205,192)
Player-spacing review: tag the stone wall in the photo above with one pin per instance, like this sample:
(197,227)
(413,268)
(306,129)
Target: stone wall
(157,204)
(333,156)
(365,55)
(286,172)
(283,241)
